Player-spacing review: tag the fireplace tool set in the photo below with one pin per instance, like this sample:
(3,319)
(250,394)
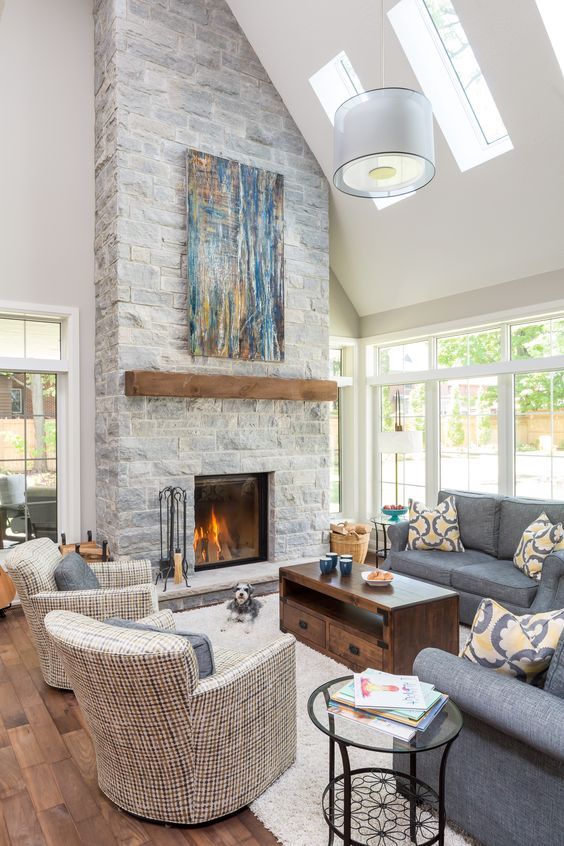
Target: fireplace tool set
(172,516)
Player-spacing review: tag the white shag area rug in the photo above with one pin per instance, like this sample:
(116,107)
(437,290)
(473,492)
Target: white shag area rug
(291,807)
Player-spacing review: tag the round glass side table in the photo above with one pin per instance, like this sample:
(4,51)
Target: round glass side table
(376,806)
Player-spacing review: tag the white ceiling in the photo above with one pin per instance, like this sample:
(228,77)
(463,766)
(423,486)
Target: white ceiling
(500,221)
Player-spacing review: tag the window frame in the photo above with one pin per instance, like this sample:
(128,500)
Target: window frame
(505,370)
(348,427)
(67,369)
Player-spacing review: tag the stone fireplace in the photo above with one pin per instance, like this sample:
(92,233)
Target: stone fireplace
(170,76)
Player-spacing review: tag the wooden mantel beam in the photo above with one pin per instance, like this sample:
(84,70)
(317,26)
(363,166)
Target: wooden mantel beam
(155,383)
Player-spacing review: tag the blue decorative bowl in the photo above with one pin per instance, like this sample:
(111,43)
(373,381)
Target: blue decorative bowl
(326,566)
(395,513)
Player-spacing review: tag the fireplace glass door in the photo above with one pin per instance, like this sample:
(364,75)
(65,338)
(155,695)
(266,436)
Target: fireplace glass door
(230,520)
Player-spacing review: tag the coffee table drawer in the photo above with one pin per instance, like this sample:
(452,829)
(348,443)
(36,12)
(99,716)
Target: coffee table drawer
(354,649)
(303,624)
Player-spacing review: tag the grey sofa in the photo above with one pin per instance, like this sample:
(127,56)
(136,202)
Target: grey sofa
(505,771)
(490,528)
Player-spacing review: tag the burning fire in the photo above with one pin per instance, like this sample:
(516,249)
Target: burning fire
(211,541)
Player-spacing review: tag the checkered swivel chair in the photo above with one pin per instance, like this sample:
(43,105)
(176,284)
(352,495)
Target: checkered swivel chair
(170,746)
(126,591)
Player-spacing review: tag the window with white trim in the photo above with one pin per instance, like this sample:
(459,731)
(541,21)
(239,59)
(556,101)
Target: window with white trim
(35,398)
(493,408)
(439,52)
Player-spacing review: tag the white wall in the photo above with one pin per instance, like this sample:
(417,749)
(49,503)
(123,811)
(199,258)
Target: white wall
(47,177)
(344,321)
(533,291)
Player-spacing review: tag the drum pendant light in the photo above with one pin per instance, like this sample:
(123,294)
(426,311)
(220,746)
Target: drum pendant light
(383,141)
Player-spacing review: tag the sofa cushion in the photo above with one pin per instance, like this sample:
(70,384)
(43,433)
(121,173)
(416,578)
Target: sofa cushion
(73,573)
(520,646)
(200,643)
(538,541)
(435,566)
(478,518)
(500,580)
(554,682)
(517,514)
(434,529)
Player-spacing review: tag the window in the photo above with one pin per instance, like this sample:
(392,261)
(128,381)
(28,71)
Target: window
(335,435)
(469,434)
(434,41)
(552,14)
(404,357)
(411,468)
(31,370)
(539,435)
(474,348)
(334,83)
(537,340)
(490,402)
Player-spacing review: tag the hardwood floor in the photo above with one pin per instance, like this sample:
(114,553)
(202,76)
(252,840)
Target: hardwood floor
(49,795)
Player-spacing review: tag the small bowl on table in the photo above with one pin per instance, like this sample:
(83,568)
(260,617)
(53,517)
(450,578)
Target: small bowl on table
(377,578)
(394,512)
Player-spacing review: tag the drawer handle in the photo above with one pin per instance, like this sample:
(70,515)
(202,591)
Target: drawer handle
(354,649)
(303,624)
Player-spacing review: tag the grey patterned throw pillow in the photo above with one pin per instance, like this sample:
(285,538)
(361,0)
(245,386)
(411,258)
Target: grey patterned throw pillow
(73,573)
(200,643)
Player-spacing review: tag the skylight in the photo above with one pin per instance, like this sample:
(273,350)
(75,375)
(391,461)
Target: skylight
(443,61)
(334,83)
(552,14)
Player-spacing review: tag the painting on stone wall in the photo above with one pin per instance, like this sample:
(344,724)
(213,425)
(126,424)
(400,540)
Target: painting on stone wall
(235,259)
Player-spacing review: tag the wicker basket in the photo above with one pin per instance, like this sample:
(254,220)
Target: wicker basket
(351,544)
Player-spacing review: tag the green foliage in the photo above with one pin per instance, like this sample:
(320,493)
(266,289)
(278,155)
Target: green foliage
(477,348)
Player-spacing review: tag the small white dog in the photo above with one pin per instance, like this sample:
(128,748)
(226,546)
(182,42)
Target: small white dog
(243,608)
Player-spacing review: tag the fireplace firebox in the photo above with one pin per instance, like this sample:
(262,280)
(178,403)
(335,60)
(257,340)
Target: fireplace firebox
(231,520)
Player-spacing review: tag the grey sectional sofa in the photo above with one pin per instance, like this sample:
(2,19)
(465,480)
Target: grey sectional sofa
(490,528)
(505,771)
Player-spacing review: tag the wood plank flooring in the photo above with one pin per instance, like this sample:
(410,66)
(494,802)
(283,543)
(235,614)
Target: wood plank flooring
(49,794)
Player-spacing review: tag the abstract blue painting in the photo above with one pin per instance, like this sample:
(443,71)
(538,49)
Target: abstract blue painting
(235,259)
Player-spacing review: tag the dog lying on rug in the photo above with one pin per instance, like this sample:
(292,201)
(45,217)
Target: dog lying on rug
(243,608)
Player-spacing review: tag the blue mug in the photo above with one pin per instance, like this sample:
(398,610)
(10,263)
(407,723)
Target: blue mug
(345,565)
(334,556)
(325,565)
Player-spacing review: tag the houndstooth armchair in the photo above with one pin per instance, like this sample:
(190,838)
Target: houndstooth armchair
(169,746)
(126,591)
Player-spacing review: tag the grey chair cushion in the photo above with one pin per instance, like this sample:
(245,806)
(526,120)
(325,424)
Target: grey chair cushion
(554,682)
(200,643)
(435,566)
(73,573)
(517,514)
(478,519)
(499,580)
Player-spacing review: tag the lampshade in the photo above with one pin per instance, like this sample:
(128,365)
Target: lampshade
(400,442)
(383,143)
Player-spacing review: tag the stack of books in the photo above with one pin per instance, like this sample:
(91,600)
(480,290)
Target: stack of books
(396,705)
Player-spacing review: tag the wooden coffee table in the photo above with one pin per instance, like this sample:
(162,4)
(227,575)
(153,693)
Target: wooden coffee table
(362,626)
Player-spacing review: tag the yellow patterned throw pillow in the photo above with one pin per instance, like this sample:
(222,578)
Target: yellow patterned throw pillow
(435,528)
(515,646)
(538,540)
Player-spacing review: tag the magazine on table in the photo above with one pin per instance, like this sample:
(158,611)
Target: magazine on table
(408,715)
(371,720)
(373,689)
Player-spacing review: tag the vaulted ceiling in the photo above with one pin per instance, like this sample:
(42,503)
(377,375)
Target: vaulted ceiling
(500,221)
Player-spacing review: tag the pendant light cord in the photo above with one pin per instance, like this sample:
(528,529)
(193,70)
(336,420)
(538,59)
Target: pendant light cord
(382,41)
